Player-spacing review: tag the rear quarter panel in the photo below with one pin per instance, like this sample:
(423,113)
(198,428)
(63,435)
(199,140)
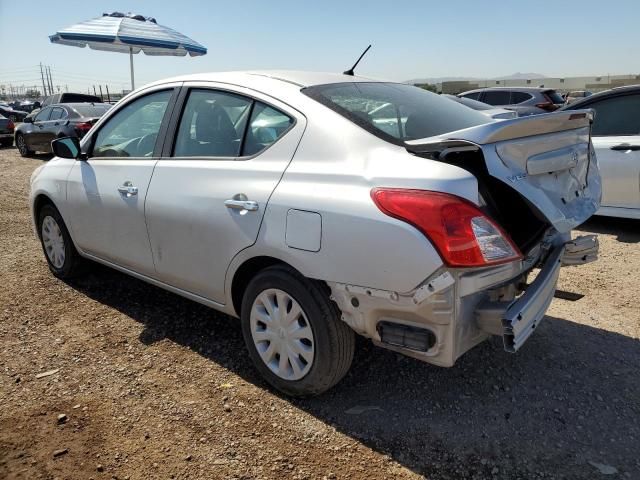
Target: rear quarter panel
(333,175)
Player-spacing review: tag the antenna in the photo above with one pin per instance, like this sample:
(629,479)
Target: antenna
(350,71)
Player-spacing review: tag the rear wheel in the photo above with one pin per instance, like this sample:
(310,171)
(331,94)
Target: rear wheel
(22,146)
(294,333)
(62,256)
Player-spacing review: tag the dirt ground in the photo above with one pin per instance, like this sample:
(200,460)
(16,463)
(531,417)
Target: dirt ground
(155,386)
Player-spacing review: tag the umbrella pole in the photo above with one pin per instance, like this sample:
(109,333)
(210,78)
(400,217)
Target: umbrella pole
(131,65)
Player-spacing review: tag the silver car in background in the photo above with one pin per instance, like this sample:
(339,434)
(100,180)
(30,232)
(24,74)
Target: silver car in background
(317,206)
(523,100)
(488,110)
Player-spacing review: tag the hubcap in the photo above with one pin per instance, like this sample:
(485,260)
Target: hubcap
(281,334)
(53,241)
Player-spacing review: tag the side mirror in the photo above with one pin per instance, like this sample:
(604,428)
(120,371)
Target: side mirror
(28,119)
(67,147)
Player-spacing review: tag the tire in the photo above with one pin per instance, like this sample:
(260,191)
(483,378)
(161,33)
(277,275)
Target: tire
(316,340)
(61,255)
(22,146)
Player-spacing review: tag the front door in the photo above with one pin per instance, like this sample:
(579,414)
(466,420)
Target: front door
(210,189)
(35,139)
(107,192)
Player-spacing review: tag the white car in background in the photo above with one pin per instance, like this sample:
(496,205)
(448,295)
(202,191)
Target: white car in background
(488,110)
(616,139)
(280,198)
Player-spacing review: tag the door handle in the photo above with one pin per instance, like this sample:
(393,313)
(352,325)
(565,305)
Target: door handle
(626,146)
(128,190)
(249,205)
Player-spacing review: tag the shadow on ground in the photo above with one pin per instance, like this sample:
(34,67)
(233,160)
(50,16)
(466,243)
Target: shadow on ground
(569,397)
(626,230)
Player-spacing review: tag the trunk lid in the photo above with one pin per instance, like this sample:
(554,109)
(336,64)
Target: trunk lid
(548,159)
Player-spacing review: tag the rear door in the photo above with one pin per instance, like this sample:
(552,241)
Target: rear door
(52,126)
(616,139)
(210,189)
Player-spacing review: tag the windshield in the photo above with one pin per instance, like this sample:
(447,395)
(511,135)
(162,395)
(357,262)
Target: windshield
(395,112)
(90,110)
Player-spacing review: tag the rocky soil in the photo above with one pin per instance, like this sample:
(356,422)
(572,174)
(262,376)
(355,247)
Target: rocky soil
(108,377)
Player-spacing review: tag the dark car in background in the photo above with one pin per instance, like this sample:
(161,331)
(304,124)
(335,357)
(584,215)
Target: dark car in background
(523,100)
(6,131)
(11,114)
(57,121)
(68,97)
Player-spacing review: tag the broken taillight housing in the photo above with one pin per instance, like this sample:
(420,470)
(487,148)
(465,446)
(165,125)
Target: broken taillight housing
(463,235)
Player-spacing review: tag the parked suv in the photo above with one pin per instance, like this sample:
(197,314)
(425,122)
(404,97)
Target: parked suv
(524,100)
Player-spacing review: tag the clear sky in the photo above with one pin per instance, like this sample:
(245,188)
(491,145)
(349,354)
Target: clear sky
(411,38)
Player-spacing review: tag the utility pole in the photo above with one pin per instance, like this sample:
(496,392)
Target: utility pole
(94,91)
(108,96)
(44,87)
(50,80)
(101,98)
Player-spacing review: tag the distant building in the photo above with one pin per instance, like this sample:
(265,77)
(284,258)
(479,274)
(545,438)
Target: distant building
(593,84)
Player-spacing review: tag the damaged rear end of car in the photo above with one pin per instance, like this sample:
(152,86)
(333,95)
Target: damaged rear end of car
(537,179)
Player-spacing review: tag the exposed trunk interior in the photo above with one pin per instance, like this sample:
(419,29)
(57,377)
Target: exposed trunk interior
(520,219)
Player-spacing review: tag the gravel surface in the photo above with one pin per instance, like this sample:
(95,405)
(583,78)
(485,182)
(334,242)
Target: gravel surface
(108,377)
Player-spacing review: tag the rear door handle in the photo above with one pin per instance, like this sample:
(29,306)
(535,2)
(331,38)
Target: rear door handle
(626,146)
(249,205)
(128,189)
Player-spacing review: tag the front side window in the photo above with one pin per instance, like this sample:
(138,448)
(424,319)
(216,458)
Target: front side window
(43,115)
(133,130)
(212,124)
(395,112)
(616,116)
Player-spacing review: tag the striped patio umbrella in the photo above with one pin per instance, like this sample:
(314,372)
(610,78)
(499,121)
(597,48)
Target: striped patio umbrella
(128,33)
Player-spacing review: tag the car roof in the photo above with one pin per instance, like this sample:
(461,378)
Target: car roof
(298,78)
(627,89)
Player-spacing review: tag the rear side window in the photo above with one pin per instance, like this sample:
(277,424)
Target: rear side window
(395,112)
(616,116)
(519,97)
(266,125)
(496,97)
(212,124)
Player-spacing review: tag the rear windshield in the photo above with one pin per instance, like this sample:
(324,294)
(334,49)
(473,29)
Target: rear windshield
(90,110)
(554,96)
(395,112)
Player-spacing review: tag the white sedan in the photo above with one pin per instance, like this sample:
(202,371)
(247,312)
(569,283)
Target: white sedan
(281,199)
(616,139)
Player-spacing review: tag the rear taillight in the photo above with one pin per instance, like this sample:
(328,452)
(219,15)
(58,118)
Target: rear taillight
(11,125)
(463,235)
(83,128)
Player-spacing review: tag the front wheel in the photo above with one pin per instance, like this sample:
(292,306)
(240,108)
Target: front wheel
(62,256)
(21,143)
(294,333)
